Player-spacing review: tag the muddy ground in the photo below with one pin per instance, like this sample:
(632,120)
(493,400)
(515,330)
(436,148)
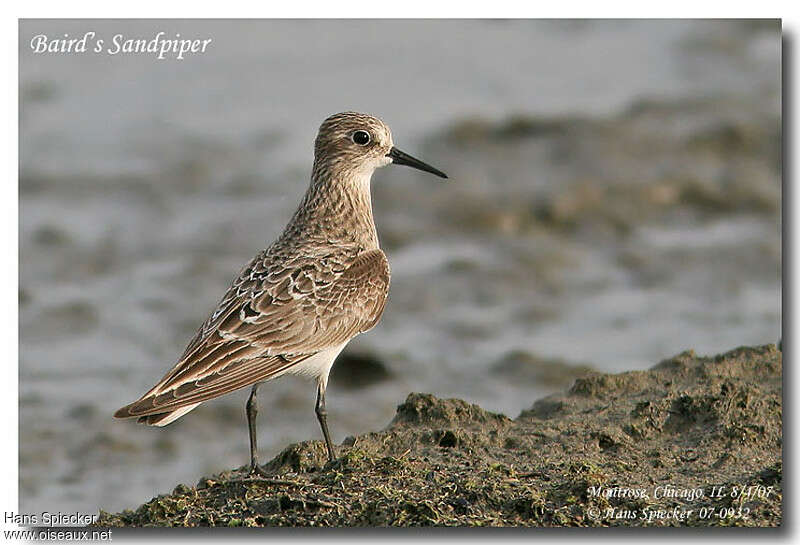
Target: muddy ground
(694,441)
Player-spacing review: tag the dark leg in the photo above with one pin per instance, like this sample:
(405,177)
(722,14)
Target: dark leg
(322,416)
(252,412)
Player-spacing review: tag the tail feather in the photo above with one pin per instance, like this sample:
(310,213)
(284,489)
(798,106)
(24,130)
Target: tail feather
(162,419)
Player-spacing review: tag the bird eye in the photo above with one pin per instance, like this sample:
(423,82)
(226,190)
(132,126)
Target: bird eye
(361,138)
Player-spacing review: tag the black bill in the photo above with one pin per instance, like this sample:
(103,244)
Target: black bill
(402,158)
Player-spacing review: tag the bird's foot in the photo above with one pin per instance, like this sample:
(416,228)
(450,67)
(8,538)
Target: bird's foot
(331,456)
(256,472)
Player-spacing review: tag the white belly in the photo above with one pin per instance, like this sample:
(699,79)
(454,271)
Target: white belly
(317,366)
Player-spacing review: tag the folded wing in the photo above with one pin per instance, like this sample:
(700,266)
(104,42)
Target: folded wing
(268,322)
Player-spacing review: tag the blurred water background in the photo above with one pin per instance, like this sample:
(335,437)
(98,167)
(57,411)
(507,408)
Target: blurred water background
(614,198)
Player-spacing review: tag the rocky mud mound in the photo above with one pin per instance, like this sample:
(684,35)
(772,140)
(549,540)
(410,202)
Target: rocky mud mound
(694,441)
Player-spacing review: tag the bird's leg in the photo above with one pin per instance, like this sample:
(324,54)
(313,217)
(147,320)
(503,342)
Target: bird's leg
(252,412)
(322,416)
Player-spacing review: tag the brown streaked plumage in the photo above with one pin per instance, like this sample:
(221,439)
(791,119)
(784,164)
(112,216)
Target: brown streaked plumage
(295,306)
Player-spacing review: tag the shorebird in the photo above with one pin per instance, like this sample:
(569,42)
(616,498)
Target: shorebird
(298,303)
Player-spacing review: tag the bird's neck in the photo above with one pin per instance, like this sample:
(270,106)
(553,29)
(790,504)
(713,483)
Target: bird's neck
(337,210)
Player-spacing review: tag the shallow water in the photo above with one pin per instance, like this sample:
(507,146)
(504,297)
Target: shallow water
(614,199)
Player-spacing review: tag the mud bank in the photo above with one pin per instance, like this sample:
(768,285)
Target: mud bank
(694,441)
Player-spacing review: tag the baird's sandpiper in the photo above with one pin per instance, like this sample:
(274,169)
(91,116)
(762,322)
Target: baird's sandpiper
(296,305)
